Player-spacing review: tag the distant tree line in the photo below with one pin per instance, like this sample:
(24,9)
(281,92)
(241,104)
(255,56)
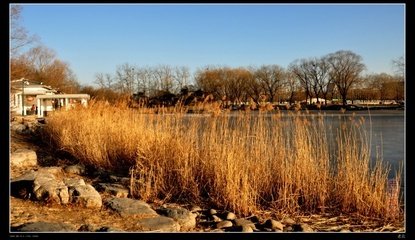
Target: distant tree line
(335,76)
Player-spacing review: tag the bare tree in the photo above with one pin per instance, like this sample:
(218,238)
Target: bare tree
(143,80)
(236,80)
(345,70)
(210,79)
(100,80)
(292,86)
(20,67)
(321,79)
(271,79)
(253,86)
(124,76)
(19,36)
(40,64)
(399,66)
(388,87)
(163,77)
(104,80)
(300,69)
(40,57)
(181,77)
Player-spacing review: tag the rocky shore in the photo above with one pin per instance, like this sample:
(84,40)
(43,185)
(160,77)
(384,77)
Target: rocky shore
(50,194)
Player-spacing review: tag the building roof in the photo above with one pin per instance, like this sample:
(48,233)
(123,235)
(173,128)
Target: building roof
(31,87)
(56,96)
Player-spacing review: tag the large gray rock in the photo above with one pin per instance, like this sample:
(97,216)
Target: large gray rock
(46,227)
(85,195)
(46,187)
(42,186)
(72,182)
(127,207)
(114,189)
(23,158)
(184,217)
(159,224)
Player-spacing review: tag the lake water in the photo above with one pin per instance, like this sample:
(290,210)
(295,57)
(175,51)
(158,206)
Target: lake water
(387,133)
(385,128)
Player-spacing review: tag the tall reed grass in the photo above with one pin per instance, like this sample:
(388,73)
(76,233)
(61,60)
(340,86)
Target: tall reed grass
(241,162)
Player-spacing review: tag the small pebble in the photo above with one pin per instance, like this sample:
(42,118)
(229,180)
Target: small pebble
(224,224)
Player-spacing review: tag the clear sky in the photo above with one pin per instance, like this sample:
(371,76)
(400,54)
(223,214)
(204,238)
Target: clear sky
(97,38)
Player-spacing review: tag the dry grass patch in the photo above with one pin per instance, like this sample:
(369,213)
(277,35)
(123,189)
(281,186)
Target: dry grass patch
(240,162)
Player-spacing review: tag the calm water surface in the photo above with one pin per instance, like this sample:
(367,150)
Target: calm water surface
(385,128)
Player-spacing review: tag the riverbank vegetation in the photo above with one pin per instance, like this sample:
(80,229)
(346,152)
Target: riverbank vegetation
(242,162)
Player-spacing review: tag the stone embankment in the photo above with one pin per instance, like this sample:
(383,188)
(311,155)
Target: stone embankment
(77,189)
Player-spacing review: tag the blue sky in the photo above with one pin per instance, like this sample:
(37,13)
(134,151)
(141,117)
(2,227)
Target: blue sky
(97,38)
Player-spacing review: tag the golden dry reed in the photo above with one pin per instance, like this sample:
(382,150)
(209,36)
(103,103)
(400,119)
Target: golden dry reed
(242,162)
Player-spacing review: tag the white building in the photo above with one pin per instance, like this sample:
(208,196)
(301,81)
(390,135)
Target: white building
(40,99)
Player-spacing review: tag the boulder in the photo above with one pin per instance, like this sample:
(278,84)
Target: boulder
(72,182)
(159,224)
(46,187)
(127,207)
(85,195)
(23,158)
(184,217)
(40,185)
